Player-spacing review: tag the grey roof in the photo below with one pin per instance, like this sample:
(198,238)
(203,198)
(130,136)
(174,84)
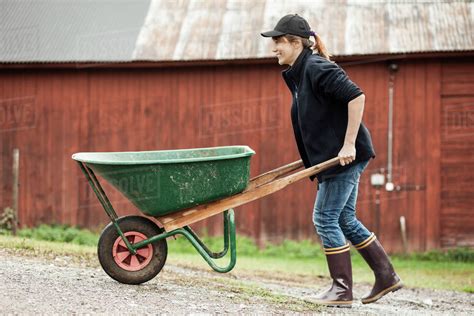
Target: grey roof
(64,31)
(173,30)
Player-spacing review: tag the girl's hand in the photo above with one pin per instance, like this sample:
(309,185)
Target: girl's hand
(347,154)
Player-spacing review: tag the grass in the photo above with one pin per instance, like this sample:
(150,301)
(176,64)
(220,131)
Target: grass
(457,276)
(453,270)
(85,255)
(61,233)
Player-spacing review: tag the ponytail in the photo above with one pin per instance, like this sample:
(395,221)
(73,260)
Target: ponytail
(320,47)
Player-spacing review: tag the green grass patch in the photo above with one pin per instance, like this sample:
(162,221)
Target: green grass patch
(48,249)
(469,289)
(460,254)
(457,276)
(247,247)
(452,269)
(61,233)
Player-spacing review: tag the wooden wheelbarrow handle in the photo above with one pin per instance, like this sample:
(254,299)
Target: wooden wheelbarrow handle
(282,173)
(273,174)
(259,187)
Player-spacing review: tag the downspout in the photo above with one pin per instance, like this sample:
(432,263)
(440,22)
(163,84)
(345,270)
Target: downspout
(389,186)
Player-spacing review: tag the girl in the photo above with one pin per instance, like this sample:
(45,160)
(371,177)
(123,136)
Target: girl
(327,122)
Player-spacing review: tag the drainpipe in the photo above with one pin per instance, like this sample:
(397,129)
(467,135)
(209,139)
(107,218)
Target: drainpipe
(393,69)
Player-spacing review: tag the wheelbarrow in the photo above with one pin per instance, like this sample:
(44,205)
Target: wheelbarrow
(177,188)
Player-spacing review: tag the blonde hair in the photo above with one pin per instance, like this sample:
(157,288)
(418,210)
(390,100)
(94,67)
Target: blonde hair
(317,46)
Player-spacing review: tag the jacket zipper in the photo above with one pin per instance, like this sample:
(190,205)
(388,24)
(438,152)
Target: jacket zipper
(296,102)
(296,91)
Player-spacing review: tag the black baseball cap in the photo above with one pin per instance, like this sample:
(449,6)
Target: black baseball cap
(290,24)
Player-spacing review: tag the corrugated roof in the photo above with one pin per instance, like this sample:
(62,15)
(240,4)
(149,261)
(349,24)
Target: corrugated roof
(167,30)
(64,31)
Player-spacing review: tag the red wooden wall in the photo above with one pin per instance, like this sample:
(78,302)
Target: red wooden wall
(51,113)
(457,155)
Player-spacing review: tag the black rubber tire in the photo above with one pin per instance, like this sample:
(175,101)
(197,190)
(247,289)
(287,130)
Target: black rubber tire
(106,242)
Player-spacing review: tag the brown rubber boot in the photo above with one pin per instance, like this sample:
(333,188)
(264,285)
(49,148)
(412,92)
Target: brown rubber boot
(340,269)
(386,280)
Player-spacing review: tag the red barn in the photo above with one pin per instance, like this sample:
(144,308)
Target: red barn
(148,75)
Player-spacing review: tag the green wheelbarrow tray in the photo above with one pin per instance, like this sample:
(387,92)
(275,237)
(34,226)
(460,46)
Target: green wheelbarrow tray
(164,181)
(178,188)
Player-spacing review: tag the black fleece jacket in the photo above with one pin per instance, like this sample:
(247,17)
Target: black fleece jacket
(321,92)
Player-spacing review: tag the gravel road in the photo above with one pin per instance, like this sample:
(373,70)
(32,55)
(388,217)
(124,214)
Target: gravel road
(64,285)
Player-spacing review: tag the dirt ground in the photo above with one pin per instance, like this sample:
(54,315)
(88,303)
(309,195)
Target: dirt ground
(58,285)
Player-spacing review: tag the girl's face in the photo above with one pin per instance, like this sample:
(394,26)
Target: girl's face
(286,51)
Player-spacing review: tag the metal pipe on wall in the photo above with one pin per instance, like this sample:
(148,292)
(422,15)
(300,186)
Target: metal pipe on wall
(393,69)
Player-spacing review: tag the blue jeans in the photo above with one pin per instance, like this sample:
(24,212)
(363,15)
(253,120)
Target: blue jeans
(334,213)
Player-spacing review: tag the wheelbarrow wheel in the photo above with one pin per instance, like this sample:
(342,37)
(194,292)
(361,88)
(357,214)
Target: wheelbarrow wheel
(123,266)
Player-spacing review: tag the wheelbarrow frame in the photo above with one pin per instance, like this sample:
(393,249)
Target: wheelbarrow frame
(177,223)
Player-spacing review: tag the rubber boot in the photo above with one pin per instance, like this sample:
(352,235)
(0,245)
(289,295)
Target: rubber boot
(386,280)
(340,269)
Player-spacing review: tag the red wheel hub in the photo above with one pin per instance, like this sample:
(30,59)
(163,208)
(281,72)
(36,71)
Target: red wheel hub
(125,259)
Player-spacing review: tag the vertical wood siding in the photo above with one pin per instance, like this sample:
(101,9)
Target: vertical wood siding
(50,114)
(457,155)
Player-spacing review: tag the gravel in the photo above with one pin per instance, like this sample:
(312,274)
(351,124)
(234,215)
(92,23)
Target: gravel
(63,285)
